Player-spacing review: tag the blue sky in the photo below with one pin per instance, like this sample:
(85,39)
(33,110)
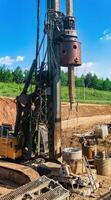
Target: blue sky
(18,33)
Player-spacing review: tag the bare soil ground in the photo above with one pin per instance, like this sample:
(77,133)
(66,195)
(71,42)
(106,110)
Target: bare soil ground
(8,110)
(84,110)
(82,118)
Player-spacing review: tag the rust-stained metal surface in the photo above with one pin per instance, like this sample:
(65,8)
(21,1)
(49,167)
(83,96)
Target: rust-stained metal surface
(90,151)
(105,163)
(71,85)
(70,52)
(71,81)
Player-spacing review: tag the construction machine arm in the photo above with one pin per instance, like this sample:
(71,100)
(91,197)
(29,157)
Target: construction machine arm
(33,67)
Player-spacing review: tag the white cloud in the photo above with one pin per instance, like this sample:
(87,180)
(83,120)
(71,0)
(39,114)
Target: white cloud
(65,69)
(88,64)
(7,60)
(88,67)
(85,66)
(20,58)
(106,31)
(106,35)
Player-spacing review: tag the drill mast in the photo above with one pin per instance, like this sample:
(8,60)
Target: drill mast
(39,113)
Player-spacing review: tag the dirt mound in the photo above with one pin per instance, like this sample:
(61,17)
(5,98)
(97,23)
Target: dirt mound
(7,110)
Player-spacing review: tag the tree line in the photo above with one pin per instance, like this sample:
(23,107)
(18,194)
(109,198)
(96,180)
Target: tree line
(17,75)
(89,80)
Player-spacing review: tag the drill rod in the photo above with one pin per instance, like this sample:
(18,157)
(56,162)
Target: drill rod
(69,12)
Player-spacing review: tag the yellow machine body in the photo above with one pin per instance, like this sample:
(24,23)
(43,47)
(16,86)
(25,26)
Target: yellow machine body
(9,147)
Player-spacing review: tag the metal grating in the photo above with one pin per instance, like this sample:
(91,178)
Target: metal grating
(58,193)
(26,188)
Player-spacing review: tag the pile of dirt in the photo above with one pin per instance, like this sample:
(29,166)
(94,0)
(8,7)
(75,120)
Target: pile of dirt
(7,110)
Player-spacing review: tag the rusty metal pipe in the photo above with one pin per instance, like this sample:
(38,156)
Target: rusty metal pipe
(71,84)
(69,7)
(69,13)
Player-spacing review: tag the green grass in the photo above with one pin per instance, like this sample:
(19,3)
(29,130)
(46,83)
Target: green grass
(83,96)
(10,89)
(88,95)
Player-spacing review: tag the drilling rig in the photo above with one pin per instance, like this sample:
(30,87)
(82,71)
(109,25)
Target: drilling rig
(38,121)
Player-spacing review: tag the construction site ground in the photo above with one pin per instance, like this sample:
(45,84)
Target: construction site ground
(75,119)
(81,119)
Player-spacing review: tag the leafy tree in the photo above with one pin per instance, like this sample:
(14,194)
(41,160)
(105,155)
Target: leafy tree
(8,77)
(5,74)
(18,75)
(88,80)
(79,81)
(2,73)
(107,85)
(94,81)
(64,78)
(26,73)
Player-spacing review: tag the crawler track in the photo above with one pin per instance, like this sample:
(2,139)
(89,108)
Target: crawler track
(13,176)
(33,189)
(17,173)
